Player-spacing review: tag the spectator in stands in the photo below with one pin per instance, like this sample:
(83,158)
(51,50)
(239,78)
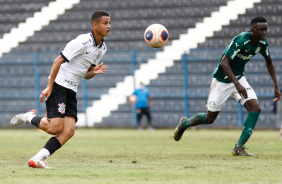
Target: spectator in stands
(229,79)
(80,58)
(141,96)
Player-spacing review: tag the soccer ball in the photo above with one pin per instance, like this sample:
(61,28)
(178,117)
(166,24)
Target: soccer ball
(156,35)
(132,99)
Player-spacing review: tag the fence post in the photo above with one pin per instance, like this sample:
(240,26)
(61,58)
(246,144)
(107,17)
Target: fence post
(185,85)
(240,115)
(36,81)
(85,99)
(278,114)
(133,68)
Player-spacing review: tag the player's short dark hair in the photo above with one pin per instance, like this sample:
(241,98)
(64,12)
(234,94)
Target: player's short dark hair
(258,19)
(96,16)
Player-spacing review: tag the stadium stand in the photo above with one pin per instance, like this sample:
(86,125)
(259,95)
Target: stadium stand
(129,20)
(212,50)
(14,12)
(128,23)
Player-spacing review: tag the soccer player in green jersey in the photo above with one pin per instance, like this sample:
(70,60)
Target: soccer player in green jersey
(228,79)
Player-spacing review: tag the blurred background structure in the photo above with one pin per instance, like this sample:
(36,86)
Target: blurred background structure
(179,88)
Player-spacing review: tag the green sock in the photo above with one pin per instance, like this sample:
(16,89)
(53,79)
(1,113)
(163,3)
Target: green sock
(198,119)
(248,128)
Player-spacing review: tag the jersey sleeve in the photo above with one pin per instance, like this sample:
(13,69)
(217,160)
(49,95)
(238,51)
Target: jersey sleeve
(72,49)
(265,50)
(235,46)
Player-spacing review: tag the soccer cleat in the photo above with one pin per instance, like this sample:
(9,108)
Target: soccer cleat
(22,118)
(38,164)
(150,128)
(240,151)
(179,130)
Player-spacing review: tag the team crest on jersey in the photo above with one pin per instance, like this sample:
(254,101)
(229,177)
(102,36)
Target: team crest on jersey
(62,108)
(99,54)
(258,49)
(212,104)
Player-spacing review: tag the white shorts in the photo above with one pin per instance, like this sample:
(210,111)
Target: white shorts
(220,92)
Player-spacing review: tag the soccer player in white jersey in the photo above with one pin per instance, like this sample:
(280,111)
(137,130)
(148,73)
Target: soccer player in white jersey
(80,58)
(228,80)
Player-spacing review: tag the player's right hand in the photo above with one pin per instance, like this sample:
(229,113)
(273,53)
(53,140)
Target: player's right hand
(46,92)
(277,94)
(241,90)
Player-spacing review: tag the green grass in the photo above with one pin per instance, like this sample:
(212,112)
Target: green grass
(129,156)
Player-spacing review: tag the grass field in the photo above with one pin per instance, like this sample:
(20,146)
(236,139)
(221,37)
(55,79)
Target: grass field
(129,156)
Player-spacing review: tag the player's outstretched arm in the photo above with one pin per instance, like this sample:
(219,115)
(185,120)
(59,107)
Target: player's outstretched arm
(53,74)
(92,71)
(271,70)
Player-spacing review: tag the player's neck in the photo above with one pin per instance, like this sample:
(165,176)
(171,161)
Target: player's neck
(98,37)
(254,41)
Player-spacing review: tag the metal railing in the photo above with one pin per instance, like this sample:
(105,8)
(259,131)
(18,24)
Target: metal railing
(133,57)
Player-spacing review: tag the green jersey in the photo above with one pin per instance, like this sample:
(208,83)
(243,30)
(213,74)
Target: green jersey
(240,51)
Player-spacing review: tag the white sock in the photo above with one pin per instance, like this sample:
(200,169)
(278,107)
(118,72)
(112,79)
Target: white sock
(29,117)
(42,154)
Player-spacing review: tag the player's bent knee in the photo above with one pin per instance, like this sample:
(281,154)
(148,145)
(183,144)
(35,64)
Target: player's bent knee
(252,106)
(258,109)
(255,109)
(69,133)
(44,122)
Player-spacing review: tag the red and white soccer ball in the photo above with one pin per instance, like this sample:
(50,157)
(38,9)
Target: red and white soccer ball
(156,35)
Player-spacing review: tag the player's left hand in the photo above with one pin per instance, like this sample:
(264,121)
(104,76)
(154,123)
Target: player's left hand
(100,68)
(277,94)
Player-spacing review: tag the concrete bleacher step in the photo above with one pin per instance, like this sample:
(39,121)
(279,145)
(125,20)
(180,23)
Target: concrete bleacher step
(267,8)
(12,13)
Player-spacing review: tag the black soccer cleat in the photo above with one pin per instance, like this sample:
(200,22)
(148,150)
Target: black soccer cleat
(179,130)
